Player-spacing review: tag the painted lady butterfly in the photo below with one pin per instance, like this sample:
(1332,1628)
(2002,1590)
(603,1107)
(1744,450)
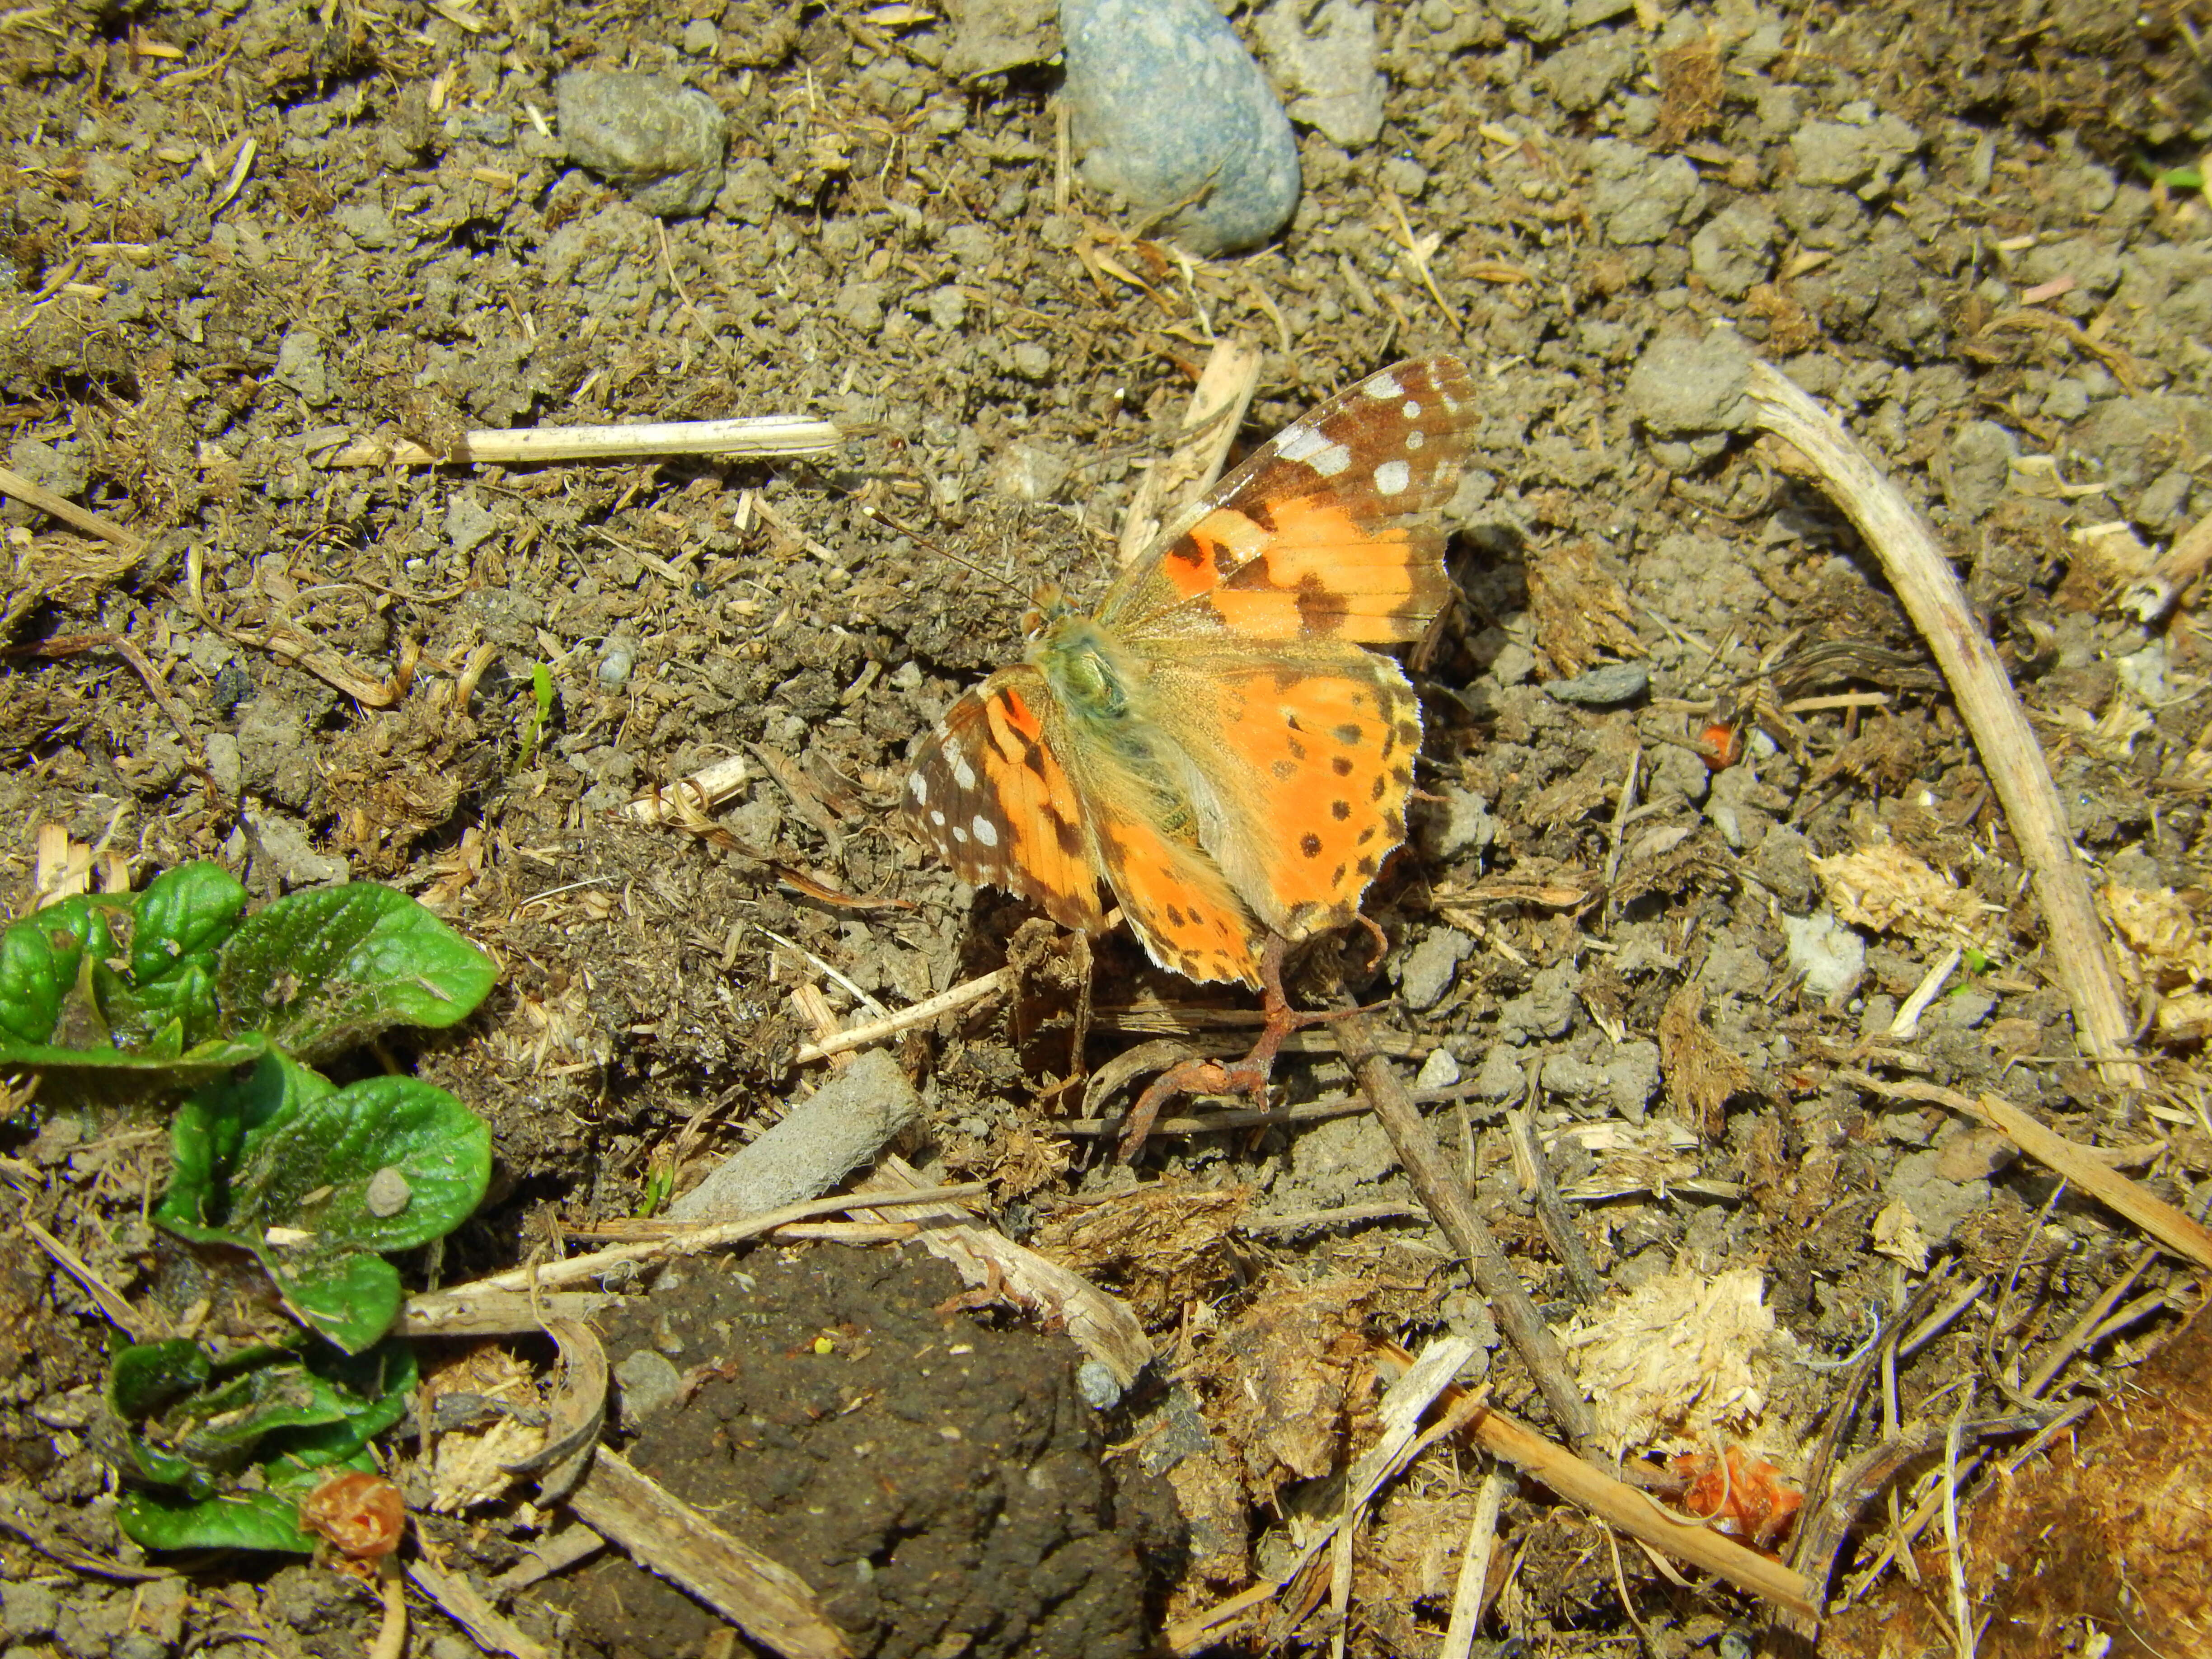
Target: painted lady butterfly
(1216,743)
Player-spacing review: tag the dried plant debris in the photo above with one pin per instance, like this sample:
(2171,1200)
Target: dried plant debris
(1160,1247)
(1578,609)
(1701,1076)
(1679,1363)
(2168,955)
(1889,890)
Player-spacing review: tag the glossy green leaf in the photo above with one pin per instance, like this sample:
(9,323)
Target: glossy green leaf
(321,971)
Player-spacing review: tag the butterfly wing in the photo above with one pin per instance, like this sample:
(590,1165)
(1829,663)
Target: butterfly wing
(1174,896)
(1299,759)
(1328,530)
(991,794)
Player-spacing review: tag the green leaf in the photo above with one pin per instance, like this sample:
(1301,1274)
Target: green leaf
(40,959)
(311,1164)
(217,1425)
(240,1521)
(278,1147)
(541,692)
(319,972)
(146,1377)
(349,1298)
(108,1077)
(183,916)
(207,1135)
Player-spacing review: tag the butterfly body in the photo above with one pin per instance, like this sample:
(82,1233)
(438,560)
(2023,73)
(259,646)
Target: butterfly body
(1217,742)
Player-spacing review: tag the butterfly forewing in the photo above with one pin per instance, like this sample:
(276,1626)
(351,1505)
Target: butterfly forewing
(1328,530)
(990,793)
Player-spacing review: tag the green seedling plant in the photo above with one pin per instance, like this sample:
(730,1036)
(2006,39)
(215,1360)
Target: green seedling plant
(127,999)
(541,696)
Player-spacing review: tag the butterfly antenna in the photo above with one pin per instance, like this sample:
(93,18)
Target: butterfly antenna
(930,545)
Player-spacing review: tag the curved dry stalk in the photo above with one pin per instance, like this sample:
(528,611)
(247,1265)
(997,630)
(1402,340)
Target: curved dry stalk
(2080,959)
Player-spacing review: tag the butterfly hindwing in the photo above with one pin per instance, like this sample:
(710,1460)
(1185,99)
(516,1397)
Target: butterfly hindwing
(990,793)
(1307,753)
(1328,530)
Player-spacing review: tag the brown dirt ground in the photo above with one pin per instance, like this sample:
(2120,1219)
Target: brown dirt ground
(1942,226)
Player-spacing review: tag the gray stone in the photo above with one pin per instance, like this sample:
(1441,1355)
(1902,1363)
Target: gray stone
(1333,1157)
(1514,664)
(1784,865)
(1542,20)
(989,36)
(1501,1077)
(618,660)
(1734,250)
(701,37)
(291,852)
(224,764)
(2161,505)
(1691,385)
(1463,824)
(368,223)
(301,366)
(1831,956)
(1976,468)
(1604,686)
(1167,107)
(1096,1381)
(1439,1071)
(62,471)
(656,140)
(1937,1205)
(1574,1080)
(1632,1074)
(1325,56)
(861,304)
(468,521)
(1545,1010)
(646,1383)
(1637,197)
(1427,974)
(815,1144)
(1583,75)
(27,1611)
(1865,157)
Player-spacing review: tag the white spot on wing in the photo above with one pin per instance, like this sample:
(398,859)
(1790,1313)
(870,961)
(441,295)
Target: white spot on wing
(959,834)
(936,818)
(1392,477)
(963,774)
(916,786)
(1383,385)
(1415,439)
(1304,443)
(986,831)
(1411,410)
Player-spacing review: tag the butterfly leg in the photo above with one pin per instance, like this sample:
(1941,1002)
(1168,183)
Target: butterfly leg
(1247,1076)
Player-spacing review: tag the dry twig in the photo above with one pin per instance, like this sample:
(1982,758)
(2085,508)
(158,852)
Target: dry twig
(1447,1202)
(762,437)
(1928,588)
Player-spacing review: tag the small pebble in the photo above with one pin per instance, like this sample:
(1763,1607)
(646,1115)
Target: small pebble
(657,140)
(388,1193)
(620,657)
(233,686)
(1439,1071)
(1167,107)
(1325,53)
(1096,1385)
(1604,685)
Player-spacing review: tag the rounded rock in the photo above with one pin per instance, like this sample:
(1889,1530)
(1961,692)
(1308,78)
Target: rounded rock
(388,1193)
(1168,108)
(657,140)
